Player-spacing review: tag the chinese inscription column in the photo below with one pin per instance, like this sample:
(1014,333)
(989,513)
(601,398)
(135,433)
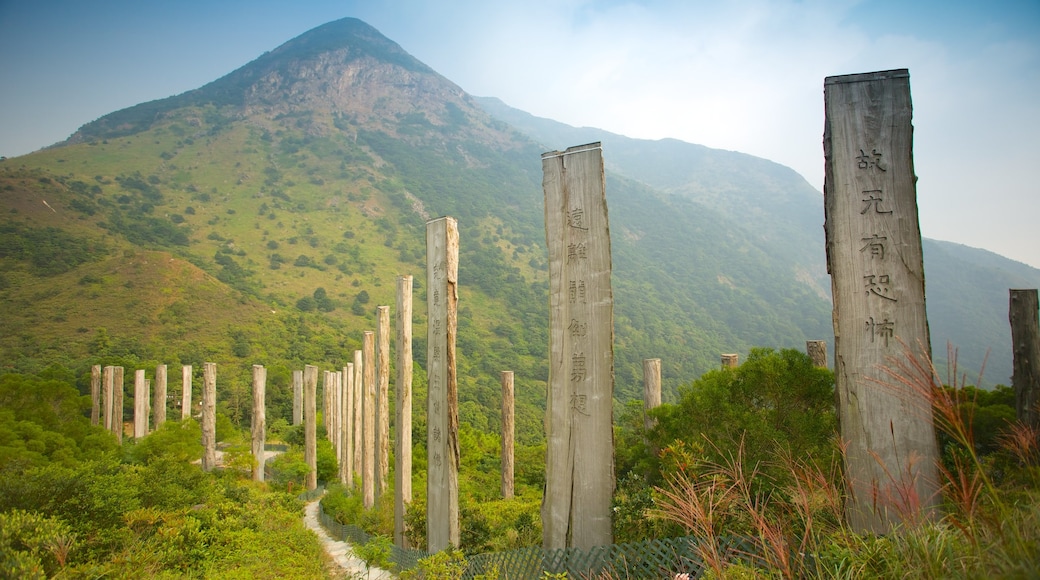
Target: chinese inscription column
(349,440)
(310,425)
(877,277)
(159,397)
(259,422)
(118,392)
(140,405)
(358,417)
(1025,345)
(209,416)
(185,391)
(576,510)
(508,433)
(403,416)
(108,378)
(368,426)
(817,351)
(95,394)
(651,389)
(383,397)
(297,401)
(442,423)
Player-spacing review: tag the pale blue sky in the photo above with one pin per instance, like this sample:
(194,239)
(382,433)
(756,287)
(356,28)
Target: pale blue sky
(743,75)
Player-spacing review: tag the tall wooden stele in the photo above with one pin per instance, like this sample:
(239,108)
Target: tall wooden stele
(508,434)
(209,416)
(403,416)
(140,404)
(383,398)
(817,351)
(877,279)
(368,427)
(310,425)
(159,397)
(185,391)
(651,389)
(118,390)
(108,381)
(346,456)
(580,448)
(95,394)
(259,422)
(358,418)
(297,401)
(1025,344)
(442,411)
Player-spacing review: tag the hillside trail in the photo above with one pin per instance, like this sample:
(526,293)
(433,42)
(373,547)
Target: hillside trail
(339,551)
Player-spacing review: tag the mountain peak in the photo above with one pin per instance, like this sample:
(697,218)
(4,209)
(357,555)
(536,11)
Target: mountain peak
(335,66)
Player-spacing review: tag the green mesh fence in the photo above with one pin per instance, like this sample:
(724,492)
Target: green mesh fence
(650,559)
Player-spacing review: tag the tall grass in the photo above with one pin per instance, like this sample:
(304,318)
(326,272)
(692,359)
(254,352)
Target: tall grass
(985,530)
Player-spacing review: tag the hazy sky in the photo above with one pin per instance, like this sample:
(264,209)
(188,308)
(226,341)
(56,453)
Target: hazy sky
(743,75)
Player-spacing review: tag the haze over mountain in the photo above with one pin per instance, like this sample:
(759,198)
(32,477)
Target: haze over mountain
(262,217)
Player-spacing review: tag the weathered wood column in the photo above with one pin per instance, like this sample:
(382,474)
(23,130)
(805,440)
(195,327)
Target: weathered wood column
(297,401)
(118,391)
(209,416)
(108,378)
(368,427)
(325,391)
(343,380)
(651,389)
(259,423)
(508,434)
(877,279)
(310,425)
(442,400)
(185,391)
(383,397)
(817,351)
(159,397)
(349,422)
(359,412)
(730,361)
(403,401)
(580,448)
(140,404)
(95,394)
(1025,344)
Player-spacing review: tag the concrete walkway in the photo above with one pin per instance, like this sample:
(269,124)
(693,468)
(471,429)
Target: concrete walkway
(340,551)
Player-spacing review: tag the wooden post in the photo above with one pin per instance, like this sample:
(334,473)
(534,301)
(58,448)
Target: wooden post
(383,393)
(119,390)
(159,397)
(576,510)
(368,405)
(342,382)
(95,394)
(108,394)
(359,412)
(508,433)
(259,423)
(442,410)
(325,391)
(310,425)
(817,351)
(651,389)
(730,361)
(877,279)
(1025,344)
(185,392)
(403,416)
(209,416)
(140,405)
(348,421)
(297,401)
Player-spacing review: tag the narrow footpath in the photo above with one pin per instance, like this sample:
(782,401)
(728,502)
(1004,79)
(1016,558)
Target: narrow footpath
(340,551)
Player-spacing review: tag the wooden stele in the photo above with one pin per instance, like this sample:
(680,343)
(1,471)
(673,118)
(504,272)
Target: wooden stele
(576,508)
(403,416)
(877,278)
(382,398)
(730,361)
(368,427)
(209,416)
(185,391)
(1025,344)
(442,423)
(118,390)
(359,388)
(159,397)
(259,421)
(817,351)
(108,378)
(508,434)
(346,473)
(140,404)
(95,394)
(310,425)
(651,389)
(297,402)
